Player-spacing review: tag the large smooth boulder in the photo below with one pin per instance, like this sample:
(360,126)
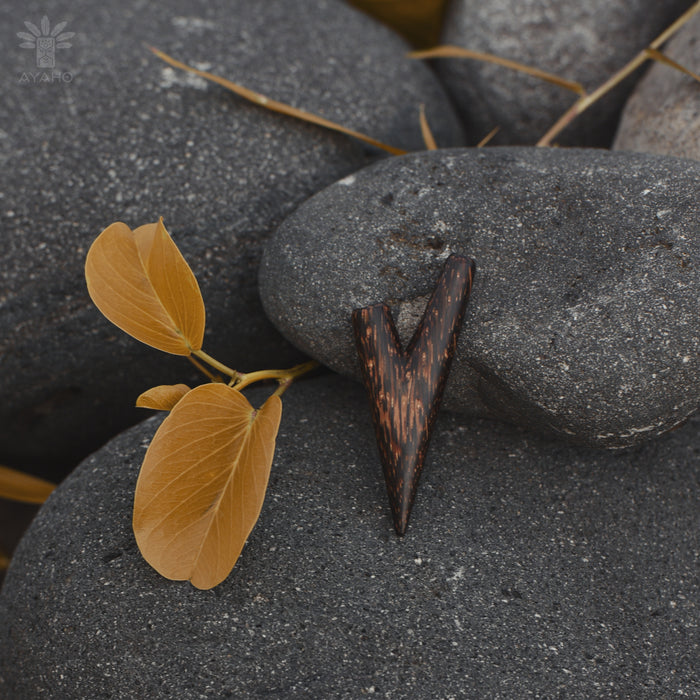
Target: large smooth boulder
(529,569)
(583,319)
(119,135)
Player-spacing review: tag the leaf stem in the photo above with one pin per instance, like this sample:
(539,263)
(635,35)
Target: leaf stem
(284,376)
(585,101)
(210,375)
(217,365)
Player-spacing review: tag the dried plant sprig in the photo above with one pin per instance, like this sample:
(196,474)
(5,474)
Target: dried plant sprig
(450,51)
(276,106)
(428,138)
(488,137)
(203,479)
(584,102)
(666,60)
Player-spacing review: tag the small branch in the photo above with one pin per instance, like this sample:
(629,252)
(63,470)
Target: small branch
(449,51)
(670,31)
(275,106)
(561,124)
(217,365)
(283,376)
(284,385)
(585,101)
(428,138)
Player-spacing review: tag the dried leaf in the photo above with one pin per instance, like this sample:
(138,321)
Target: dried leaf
(275,106)
(459,52)
(4,560)
(18,486)
(203,482)
(141,283)
(163,397)
(420,21)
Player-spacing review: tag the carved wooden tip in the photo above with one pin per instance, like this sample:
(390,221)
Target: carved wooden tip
(405,386)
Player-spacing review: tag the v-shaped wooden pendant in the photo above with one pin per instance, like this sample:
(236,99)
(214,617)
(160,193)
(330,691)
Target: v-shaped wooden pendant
(405,386)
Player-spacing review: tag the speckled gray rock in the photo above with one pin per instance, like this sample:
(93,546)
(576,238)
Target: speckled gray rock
(583,318)
(582,41)
(663,113)
(128,138)
(530,569)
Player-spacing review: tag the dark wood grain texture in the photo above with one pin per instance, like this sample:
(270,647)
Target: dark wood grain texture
(405,386)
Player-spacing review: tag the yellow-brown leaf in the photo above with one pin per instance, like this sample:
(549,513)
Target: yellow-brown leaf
(18,486)
(142,284)
(419,21)
(203,482)
(163,397)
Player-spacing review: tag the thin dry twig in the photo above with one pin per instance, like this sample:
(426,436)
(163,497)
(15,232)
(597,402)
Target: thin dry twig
(663,58)
(276,106)
(488,137)
(449,51)
(584,102)
(428,138)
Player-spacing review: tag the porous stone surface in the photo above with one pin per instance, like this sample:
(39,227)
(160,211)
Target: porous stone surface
(583,319)
(529,569)
(113,133)
(585,42)
(663,113)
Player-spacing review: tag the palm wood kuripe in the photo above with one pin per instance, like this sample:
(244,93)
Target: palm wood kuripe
(405,386)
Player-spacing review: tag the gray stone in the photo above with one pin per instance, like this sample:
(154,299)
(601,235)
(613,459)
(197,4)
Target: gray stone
(121,136)
(529,569)
(583,319)
(663,113)
(581,41)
